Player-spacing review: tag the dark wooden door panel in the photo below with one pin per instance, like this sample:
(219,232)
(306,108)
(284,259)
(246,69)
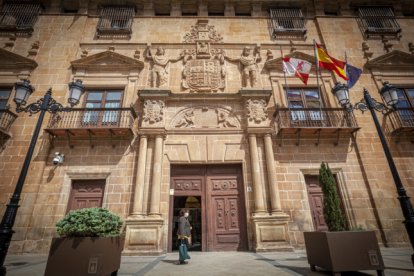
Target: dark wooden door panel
(224,198)
(86,194)
(316,202)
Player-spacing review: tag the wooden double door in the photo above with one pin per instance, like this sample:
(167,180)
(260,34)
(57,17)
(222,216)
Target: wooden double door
(219,216)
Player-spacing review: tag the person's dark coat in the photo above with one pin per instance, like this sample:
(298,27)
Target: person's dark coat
(184,227)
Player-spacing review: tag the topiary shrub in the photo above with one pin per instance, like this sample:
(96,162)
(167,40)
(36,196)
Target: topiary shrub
(331,203)
(90,222)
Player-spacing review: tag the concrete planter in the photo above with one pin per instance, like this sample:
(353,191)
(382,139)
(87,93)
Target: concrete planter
(84,256)
(344,251)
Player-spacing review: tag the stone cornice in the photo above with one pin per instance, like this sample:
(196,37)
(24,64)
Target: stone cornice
(10,60)
(107,60)
(392,61)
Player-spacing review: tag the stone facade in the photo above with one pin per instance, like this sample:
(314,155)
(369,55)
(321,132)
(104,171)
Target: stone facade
(201,99)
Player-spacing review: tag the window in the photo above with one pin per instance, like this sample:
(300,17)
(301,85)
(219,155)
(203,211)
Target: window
(115,22)
(104,101)
(378,21)
(215,9)
(288,22)
(242,9)
(189,8)
(405,105)
(19,18)
(308,100)
(4,97)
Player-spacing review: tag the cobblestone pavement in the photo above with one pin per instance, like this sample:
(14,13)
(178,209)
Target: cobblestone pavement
(397,262)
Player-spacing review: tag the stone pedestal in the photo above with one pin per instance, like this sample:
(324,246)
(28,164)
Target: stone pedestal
(271,232)
(143,236)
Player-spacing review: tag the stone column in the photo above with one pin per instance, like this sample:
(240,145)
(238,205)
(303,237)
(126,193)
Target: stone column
(156,176)
(139,185)
(257,183)
(271,174)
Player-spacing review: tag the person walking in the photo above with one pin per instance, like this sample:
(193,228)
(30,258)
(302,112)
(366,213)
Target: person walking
(184,236)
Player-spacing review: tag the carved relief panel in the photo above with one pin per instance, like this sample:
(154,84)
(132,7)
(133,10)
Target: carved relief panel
(153,111)
(256,110)
(205,117)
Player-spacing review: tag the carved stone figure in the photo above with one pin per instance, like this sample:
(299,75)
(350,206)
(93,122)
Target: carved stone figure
(187,120)
(248,62)
(223,119)
(159,72)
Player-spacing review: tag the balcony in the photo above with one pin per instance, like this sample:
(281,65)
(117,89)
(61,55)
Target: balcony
(314,121)
(400,120)
(378,22)
(115,22)
(6,120)
(287,24)
(18,18)
(92,122)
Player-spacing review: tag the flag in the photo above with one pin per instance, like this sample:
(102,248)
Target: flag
(330,63)
(297,67)
(353,73)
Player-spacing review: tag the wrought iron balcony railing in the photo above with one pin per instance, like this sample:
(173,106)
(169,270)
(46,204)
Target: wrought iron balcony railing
(6,120)
(400,120)
(95,121)
(115,22)
(378,21)
(290,120)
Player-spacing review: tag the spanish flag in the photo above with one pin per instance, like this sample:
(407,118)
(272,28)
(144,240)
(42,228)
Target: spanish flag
(330,63)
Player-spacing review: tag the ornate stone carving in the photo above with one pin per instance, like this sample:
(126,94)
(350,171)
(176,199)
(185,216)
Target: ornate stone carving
(187,120)
(248,63)
(160,66)
(223,119)
(153,111)
(202,31)
(204,75)
(256,110)
(205,117)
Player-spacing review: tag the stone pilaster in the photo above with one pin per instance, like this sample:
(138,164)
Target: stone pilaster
(156,177)
(139,185)
(271,174)
(257,183)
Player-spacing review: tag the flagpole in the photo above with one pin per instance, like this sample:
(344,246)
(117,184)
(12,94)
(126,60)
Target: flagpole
(317,66)
(317,76)
(284,75)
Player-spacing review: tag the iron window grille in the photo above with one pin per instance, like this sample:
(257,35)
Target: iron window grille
(19,18)
(378,22)
(115,22)
(288,23)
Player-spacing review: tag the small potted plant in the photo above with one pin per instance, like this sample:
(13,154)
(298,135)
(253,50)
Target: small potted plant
(89,244)
(339,250)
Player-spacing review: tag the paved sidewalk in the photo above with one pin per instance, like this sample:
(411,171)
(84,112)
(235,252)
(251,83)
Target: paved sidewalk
(397,262)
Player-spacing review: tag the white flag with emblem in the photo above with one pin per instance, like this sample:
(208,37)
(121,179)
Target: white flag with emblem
(297,67)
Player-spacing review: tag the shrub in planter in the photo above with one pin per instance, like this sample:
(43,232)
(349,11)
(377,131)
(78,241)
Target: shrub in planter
(90,244)
(338,250)
(90,222)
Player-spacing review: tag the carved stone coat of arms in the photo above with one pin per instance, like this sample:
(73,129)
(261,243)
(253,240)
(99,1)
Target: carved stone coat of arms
(203,75)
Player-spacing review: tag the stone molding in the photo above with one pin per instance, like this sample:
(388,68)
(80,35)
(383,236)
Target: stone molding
(107,61)
(10,60)
(392,61)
